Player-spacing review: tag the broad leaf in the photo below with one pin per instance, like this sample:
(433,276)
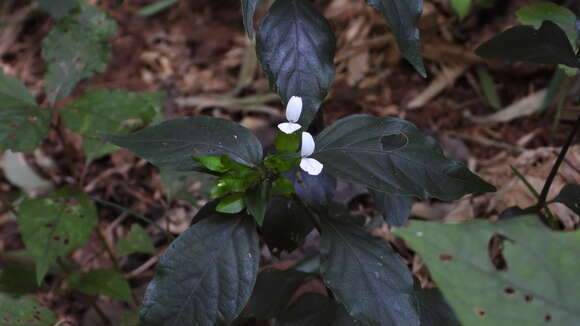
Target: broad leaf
(538,285)
(102,281)
(313,309)
(286,225)
(23,311)
(57,8)
(537,13)
(395,209)
(54,226)
(316,190)
(295,45)
(76,48)
(549,45)
(257,201)
(189,186)
(366,275)
(402,16)
(206,276)
(570,196)
(107,111)
(24,125)
(391,155)
(248,9)
(137,241)
(173,144)
(434,310)
(273,291)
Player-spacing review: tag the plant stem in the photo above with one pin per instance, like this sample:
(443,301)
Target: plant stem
(559,160)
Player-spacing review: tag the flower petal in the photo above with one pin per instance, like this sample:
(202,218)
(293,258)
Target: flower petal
(307,144)
(311,166)
(294,109)
(288,127)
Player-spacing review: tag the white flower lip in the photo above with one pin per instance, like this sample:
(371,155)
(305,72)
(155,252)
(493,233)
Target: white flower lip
(293,112)
(308,164)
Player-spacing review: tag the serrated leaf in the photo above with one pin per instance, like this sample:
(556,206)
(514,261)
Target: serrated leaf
(23,311)
(24,125)
(548,45)
(313,309)
(206,276)
(286,224)
(273,291)
(537,13)
(295,45)
(54,226)
(115,111)
(402,16)
(391,155)
(366,275)
(76,48)
(570,196)
(57,8)
(137,241)
(173,143)
(461,7)
(248,10)
(537,287)
(257,199)
(106,282)
(395,209)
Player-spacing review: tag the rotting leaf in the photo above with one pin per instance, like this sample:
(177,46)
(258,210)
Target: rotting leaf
(540,279)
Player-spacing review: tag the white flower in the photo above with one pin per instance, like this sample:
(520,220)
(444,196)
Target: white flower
(293,111)
(310,165)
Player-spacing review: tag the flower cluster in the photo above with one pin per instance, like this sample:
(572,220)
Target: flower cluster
(293,111)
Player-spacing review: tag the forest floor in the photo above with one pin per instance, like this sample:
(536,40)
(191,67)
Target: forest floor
(197,54)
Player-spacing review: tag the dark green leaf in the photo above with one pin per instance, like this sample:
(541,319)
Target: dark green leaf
(402,16)
(232,204)
(316,190)
(54,226)
(282,186)
(395,209)
(366,275)
(461,7)
(273,291)
(295,45)
(57,8)
(570,196)
(286,224)
(24,125)
(537,13)
(212,163)
(173,143)
(17,278)
(434,310)
(313,309)
(537,284)
(102,281)
(23,311)
(206,276)
(248,9)
(287,142)
(189,186)
(137,241)
(488,87)
(257,201)
(391,155)
(282,162)
(549,45)
(130,319)
(76,48)
(116,111)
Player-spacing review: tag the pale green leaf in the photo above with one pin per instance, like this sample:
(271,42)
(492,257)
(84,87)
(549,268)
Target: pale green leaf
(107,282)
(537,13)
(136,241)
(23,311)
(461,7)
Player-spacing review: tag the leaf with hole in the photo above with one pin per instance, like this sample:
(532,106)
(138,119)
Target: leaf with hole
(548,45)
(207,274)
(54,226)
(25,125)
(106,282)
(366,275)
(115,111)
(75,49)
(295,45)
(402,16)
(172,144)
(23,311)
(391,155)
(536,284)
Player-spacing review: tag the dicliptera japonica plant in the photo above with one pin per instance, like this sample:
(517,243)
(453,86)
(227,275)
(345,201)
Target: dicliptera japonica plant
(209,274)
